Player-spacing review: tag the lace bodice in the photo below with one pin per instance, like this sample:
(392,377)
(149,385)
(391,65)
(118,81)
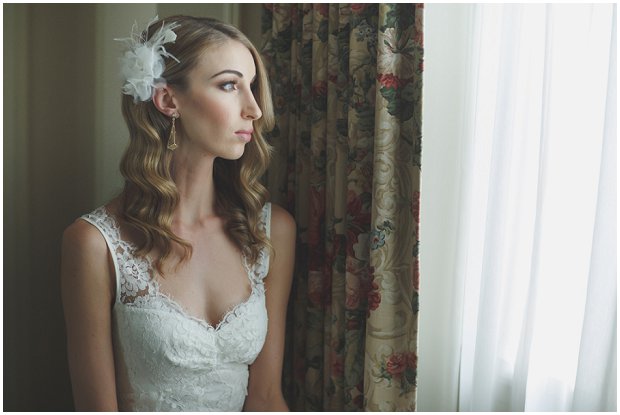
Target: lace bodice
(168,360)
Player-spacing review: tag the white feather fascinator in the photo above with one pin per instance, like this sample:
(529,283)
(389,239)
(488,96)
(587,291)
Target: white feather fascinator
(143,63)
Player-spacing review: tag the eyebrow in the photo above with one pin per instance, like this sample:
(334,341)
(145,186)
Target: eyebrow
(239,74)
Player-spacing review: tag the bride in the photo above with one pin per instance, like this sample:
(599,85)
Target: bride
(175,292)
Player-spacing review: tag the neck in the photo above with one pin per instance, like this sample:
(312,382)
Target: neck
(193,176)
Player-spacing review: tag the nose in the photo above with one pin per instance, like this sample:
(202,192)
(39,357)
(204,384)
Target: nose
(251,110)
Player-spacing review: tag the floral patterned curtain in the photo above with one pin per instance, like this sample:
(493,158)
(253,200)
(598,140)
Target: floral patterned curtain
(347,86)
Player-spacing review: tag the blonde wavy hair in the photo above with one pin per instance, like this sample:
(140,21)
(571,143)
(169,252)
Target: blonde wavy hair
(150,196)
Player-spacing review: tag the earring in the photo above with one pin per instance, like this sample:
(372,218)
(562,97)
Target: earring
(172,139)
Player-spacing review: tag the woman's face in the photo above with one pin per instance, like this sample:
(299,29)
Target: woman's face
(218,108)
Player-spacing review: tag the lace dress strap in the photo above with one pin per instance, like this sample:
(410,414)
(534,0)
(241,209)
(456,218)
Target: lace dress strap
(108,228)
(263,263)
(267,222)
(267,218)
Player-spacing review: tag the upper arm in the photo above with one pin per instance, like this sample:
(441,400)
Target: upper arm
(266,371)
(87,297)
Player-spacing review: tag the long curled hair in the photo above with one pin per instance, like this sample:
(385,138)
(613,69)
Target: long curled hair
(150,196)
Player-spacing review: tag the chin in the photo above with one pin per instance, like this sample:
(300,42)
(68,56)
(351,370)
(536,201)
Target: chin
(233,156)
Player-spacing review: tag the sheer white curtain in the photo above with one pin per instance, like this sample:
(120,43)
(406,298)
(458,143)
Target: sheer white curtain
(518,259)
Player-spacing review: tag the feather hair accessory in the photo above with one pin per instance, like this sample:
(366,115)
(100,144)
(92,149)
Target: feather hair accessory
(143,63)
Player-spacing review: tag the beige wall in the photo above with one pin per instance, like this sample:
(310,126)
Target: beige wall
(63,138)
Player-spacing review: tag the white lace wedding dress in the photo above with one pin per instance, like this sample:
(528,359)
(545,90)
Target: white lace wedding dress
(167,360)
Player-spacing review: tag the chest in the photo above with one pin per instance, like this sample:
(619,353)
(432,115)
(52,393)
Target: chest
(211,282)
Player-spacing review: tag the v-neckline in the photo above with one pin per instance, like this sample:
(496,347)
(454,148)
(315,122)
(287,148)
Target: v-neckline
(179,307)
(225,319)
(168,299)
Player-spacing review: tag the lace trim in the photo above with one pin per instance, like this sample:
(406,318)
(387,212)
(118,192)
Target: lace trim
(139,289)
(232,313)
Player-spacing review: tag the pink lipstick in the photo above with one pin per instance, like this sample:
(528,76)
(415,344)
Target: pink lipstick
(244,135)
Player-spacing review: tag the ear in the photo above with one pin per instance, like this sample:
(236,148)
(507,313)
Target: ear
(164,101)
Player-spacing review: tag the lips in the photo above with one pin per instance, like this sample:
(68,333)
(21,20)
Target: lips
(245,135)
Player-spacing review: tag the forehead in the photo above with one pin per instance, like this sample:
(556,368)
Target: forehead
(229,55)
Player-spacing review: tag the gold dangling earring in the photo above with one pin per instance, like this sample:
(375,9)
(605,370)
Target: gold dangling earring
(172,139)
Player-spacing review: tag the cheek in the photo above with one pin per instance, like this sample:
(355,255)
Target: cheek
(212,110)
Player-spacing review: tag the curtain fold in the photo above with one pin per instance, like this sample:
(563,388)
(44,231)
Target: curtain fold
(596,377)
(347,82)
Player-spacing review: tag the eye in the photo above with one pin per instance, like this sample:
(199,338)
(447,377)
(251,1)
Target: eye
(229,86)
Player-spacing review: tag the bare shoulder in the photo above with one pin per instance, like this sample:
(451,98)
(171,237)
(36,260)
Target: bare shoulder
(283,235)
(85,258)
(283,226)
(83,236)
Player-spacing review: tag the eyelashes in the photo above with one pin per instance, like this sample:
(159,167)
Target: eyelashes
(229,86)
(233,85)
